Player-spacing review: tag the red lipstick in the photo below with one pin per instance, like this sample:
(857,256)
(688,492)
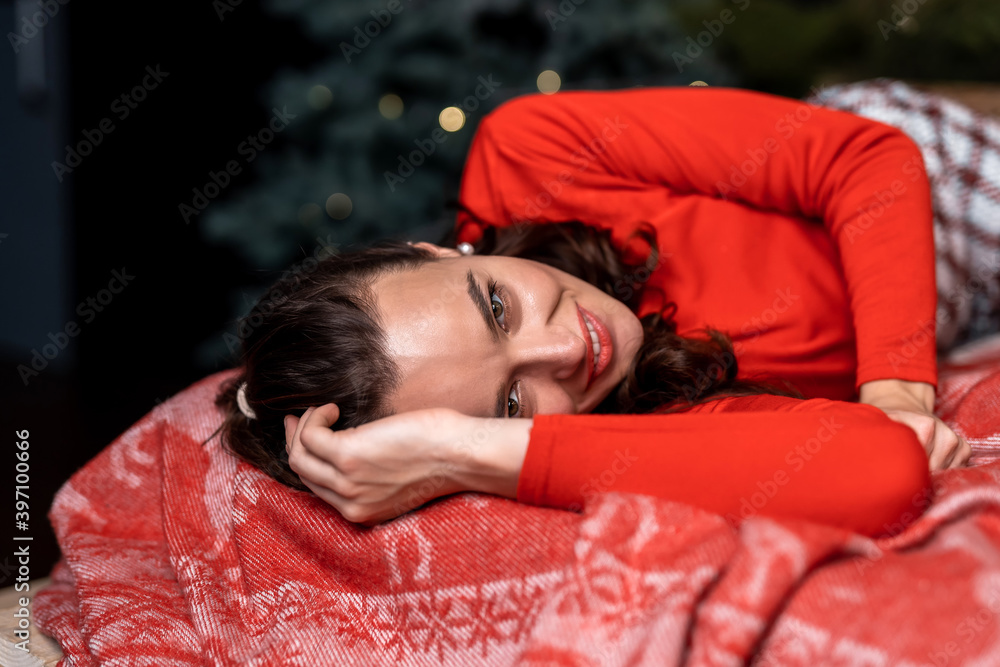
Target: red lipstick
(603,339)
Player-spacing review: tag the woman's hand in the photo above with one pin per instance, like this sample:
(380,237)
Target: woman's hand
(912,403)
(390,466)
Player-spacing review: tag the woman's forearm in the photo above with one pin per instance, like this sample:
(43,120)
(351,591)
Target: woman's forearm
(827,461)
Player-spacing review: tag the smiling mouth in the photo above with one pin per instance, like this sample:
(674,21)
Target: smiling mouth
(600,344)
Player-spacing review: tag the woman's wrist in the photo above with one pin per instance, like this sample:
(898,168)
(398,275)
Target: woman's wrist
(489,455)
(880,390)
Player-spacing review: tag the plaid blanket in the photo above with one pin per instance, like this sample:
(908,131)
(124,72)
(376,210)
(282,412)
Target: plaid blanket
(174,553)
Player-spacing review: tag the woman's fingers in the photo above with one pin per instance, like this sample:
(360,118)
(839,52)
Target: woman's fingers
(941,451)
(950,449)
(349,507)
(945,448)
(963,454)
(291,428)
(315,433)
(324,415)
(328,496)
(366,473)
(297,453)
(296,424)
(312,449)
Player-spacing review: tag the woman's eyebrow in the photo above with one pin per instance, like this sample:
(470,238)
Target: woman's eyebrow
(484,308)
(486,311)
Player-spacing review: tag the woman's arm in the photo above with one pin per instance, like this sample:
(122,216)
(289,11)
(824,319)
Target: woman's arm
(844,464)
(614,159)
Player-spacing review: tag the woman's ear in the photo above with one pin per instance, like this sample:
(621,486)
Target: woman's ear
(439,251)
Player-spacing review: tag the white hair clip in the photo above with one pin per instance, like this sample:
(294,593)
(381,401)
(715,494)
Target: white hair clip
(241,400)
(465,248)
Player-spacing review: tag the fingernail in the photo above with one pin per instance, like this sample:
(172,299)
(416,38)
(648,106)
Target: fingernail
(285,421)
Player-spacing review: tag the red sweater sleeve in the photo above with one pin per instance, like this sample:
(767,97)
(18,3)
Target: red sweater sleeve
(844,464)
(613,158)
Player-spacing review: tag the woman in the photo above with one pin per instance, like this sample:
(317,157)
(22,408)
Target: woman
(803,233)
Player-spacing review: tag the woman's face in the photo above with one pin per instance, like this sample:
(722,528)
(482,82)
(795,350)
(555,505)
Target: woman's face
(524,349)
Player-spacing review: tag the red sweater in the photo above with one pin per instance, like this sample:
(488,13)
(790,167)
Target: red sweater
(805,233)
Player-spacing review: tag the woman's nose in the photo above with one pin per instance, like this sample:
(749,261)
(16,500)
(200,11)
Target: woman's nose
(554,348)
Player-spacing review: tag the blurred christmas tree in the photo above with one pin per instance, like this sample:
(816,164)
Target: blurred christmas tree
(366,157)
(788,46)
(370,153)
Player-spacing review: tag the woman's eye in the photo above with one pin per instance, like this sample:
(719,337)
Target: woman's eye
(513,405)
(498,310)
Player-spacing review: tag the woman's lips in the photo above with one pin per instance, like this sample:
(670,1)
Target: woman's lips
(590,352)
(603,339)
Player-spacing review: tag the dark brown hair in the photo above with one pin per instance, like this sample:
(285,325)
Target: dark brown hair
(315,337)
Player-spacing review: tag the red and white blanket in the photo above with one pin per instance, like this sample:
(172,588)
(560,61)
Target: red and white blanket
(176,554)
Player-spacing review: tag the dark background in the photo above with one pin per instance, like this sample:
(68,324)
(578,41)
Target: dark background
(118,210)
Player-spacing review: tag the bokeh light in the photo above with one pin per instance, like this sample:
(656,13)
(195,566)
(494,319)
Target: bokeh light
(319,97)
(548,82)
(451,119)
(390,106)
(339,206)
